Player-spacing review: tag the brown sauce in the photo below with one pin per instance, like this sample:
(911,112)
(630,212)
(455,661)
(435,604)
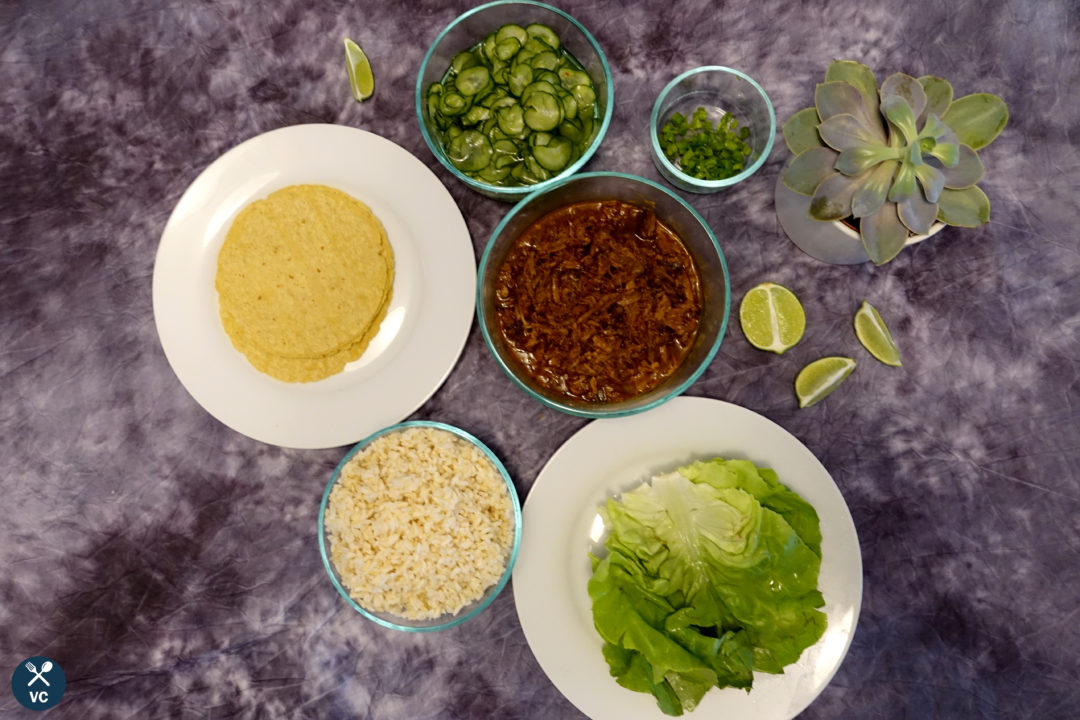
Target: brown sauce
(599,301)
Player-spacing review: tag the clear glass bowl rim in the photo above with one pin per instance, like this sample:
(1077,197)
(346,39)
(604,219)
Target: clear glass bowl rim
(654,120)
(514,192)
(601,412)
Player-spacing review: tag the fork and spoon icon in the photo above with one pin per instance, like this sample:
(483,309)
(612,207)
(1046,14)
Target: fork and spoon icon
(45,667)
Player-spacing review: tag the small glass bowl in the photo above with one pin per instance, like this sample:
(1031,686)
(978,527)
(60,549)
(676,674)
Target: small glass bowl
(396,622)
(719,90)
(677,214)
(469,29)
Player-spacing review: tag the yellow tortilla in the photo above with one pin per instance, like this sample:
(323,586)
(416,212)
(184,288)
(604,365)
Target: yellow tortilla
(307,369)
(304,279)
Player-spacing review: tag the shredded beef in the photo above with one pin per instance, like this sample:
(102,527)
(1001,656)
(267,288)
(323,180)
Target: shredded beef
(599,301)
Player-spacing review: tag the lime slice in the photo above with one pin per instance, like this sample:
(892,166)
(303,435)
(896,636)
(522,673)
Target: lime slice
(361,80)
(874,336)
(772,318)
(820,378)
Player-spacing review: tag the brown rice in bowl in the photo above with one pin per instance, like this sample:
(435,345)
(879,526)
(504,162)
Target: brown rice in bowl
(419,526)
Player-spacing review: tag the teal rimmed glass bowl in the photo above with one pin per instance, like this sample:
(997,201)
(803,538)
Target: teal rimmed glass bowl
(393,621)
(719,90)
(470,28)
(669,208)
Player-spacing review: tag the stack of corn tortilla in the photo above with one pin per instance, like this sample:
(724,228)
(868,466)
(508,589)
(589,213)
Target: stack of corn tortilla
(304,279)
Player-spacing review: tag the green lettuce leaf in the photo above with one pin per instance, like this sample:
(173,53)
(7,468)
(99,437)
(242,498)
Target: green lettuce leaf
(711,573)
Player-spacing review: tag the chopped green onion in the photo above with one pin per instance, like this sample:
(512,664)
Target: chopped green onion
(704,151)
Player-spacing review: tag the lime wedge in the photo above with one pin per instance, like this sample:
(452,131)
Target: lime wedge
(820,378)
(772,318)
(361,80)
(874,336)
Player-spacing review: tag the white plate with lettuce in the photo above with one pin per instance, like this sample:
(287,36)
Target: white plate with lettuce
(704,575)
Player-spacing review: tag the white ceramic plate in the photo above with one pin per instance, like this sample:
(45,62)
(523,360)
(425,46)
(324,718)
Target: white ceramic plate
(560,521)
(427,321)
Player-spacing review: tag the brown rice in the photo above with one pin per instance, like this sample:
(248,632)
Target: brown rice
(420,524)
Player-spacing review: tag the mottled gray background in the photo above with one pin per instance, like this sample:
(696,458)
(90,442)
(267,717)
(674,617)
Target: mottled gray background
(170,565)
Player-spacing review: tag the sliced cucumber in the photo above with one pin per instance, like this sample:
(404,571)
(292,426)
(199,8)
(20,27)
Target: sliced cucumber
(547,76)
(463,61)
(453,104)
(472,80)
(514,109)
(539,86)
(493,175)
(571,129)
(520,77)
(571,78)
(506,154)
(512,31)
(544,33)
(511,120)
(547,60)
(496,95)
(542,111)
(502,102)
(476,114)
(585,97)
(488,47)
(508,48)
(569,106)
(535,169)
(587,124)
(470,151)
(535,46)
(555,155)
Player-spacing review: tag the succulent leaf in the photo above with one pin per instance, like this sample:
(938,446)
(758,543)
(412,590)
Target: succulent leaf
(862,78)
(846,131)
(857,160)
(967,170)
(933,127)
(870,196)
(904,185)
(977,119)
(932,181)
(964,208)
(914,154)
(883,235)
(939,95)
(832,198)
(835,98)
(947,153)
(800,131)
(899,113)
(906,87)
(807,169)
(917,213)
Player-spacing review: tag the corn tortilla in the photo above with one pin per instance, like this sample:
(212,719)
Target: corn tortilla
(306,369)
(304,279)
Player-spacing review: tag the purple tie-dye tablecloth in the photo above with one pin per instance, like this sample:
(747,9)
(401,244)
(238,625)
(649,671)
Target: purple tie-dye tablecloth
(170,565)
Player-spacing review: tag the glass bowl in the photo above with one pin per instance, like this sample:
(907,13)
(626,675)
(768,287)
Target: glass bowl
(394,621)
(677,214)
(469,29)
(719,90)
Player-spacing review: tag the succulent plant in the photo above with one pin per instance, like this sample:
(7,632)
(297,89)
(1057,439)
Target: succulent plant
(895,158)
